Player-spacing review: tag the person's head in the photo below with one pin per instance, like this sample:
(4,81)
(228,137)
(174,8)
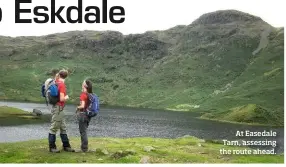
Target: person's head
(87,86)
(63,74)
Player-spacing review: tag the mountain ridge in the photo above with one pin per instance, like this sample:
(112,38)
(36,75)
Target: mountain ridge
(217,65)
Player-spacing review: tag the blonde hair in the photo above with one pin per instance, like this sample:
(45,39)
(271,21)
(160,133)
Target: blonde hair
(57,76)
(84,83)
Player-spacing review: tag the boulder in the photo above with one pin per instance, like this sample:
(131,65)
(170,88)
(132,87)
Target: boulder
(37,112)
(144,160)
(148,148)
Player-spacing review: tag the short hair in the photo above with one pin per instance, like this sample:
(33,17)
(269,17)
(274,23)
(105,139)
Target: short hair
(63,74)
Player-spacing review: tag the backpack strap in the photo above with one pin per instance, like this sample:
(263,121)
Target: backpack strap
(49,85)
(96,103)
(89,96)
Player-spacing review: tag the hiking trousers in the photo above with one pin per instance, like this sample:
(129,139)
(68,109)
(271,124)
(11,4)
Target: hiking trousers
(58,120)
(58,123)
(83,122)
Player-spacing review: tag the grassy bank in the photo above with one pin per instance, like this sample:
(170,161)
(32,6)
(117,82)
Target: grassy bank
(133,150)
(241,123)
(12,116)
(250,114)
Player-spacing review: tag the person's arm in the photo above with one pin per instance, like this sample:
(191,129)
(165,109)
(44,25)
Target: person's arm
(62,91)
(81,106)
(82,101)
(62,97)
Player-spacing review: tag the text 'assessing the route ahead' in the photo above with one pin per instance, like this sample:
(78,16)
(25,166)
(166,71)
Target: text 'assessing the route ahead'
(266,146)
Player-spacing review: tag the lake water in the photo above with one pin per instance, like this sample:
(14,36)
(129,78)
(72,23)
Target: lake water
(128,123)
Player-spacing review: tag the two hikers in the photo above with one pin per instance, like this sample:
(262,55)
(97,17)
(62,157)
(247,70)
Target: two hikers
(88,108)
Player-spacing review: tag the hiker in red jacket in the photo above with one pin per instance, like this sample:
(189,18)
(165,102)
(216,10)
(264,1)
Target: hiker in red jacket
(58,121)
(83,119)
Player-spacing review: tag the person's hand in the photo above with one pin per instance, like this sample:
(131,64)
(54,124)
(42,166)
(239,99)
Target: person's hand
(66,97)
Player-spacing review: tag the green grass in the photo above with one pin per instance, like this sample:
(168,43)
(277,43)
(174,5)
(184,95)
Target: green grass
(251,114)
(12,116)
(273,72)
(131,150)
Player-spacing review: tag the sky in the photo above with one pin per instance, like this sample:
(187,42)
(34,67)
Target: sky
(140,15)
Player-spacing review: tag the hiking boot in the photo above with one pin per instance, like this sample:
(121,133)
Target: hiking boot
(54,150)
(83,150)
(52,143)
(66,143)
(69,149)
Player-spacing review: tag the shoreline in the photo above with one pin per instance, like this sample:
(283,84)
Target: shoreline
(104,106)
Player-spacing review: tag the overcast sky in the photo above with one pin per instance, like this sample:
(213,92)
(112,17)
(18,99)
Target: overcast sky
(141,15)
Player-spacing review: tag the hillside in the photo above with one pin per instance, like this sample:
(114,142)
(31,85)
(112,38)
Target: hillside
(224,59)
